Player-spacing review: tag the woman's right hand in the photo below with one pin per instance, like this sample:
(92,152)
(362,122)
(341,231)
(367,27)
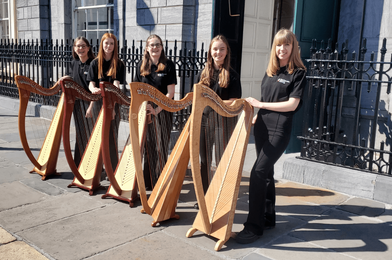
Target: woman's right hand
(89,111)
(93,88)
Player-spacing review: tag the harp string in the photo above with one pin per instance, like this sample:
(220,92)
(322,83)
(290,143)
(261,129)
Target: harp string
(157,145)
(223,182)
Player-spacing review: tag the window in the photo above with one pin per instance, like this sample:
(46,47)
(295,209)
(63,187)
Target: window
(4,20)
(92,18)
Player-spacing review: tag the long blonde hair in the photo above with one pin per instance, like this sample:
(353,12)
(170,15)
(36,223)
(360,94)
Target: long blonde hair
(208,71)
(145,68)
(101,56)
(284,36)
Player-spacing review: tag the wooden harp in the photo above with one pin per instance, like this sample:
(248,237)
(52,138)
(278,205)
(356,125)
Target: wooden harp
(88,174)
(123,180)
(46,162)
(217,206)
(163,199)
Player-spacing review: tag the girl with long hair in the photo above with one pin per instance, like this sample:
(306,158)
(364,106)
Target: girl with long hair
(281,92)
(108,67)
(82,57)
(158,71)
(223,80)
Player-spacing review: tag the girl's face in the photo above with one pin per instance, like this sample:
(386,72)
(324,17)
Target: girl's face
(283,52)
(154,48)
(218,52)
(108,46)
(81,49)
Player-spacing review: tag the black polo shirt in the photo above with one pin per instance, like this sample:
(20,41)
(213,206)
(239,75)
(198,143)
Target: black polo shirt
(93,72)
(159,80)
(79,72)
(283,86)
(233,90)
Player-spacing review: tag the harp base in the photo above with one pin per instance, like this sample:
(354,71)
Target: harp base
(127,196)
(89,188)
(218,245)
(156,223)
(45,174)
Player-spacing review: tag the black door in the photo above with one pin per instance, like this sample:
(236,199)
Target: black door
(228,20)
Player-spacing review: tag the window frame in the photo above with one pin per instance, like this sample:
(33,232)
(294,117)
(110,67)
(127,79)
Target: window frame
(109,7)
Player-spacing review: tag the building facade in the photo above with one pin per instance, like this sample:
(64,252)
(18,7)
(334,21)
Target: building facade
(249,26)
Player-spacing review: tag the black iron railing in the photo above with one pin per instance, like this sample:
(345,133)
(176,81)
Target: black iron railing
(45,62)
(346,118)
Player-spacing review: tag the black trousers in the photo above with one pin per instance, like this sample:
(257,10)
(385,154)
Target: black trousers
(272,135)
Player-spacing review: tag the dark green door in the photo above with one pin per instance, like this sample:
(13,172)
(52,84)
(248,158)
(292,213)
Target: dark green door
(314,19)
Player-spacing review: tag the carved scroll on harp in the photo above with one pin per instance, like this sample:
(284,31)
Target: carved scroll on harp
(123,179)
(87,175)
(46,162)
(163,199)
(217,206)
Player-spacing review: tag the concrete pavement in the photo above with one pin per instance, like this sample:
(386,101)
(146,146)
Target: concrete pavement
(46,220)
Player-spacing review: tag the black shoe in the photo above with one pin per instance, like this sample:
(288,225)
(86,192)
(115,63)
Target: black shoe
(268,226)
(246,237)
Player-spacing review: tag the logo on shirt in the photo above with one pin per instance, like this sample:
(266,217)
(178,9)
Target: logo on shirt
(283,81)
(161,74)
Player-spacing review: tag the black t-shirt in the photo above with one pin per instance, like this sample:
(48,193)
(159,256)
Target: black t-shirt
(79,72)
(159,80)
(283,86)
(233,90)
(93,72)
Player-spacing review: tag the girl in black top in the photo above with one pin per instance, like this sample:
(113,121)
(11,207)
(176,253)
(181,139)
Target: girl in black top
(108,67)
(83,56)
(221,78)
(281,93)
(158,71)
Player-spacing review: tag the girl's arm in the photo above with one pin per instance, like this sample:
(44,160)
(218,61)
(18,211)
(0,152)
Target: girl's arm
(284,106)
(93,88)
(116,83)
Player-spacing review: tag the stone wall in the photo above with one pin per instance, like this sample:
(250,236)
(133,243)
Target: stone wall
(33,19)
(182,20)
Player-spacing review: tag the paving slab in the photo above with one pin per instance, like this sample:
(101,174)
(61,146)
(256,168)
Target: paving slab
(287,247)
(21,251)
(16,194)
(343,232)
(47,211)
(158,245)
(10,172)
(90,233)
(363,207)
(6,237)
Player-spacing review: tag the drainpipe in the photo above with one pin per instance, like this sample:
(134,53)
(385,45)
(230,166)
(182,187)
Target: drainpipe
(362,26)
(213,19)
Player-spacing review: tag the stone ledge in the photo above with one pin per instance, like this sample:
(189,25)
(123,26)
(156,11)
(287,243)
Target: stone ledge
(348,181)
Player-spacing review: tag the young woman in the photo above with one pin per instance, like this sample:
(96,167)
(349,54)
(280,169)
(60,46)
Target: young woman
(221,78)
(108,67)
(281,93)
(158,71)
(83,56)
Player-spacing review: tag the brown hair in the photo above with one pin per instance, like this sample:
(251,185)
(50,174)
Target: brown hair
(284,36)
(90,53)
(208,71)
(145,68)
(101,56)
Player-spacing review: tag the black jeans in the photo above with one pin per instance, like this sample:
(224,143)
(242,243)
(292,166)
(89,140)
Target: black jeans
(272,135)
